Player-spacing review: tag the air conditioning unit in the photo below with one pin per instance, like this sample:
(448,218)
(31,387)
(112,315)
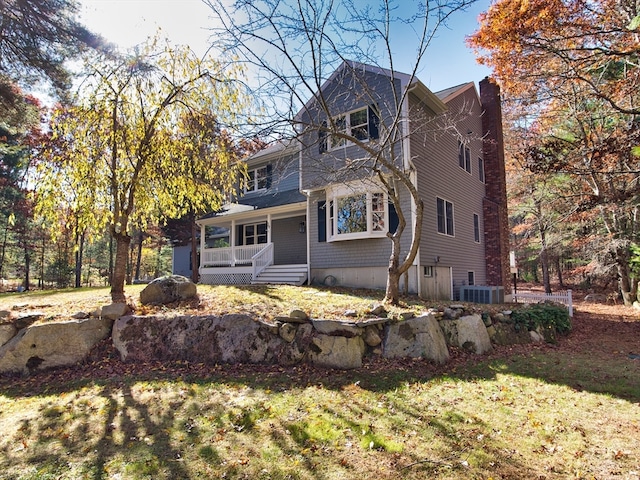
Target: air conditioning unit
(481,294)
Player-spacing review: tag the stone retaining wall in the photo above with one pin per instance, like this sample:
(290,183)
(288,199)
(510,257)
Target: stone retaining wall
(242,339)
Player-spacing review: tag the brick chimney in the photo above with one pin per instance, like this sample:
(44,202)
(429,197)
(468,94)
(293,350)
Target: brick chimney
(496,220)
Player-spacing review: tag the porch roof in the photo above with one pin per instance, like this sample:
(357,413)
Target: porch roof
(291,199)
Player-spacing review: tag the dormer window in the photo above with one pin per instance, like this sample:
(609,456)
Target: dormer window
(361,124)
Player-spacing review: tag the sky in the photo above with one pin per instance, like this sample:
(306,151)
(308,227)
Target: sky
(129,22)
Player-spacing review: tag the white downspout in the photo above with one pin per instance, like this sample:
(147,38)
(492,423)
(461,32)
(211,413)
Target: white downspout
(408,165)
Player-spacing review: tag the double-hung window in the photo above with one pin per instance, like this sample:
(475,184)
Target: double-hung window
(361,213)
(361,124)
(257,179)
(464,156)
(445,216)
(255,233)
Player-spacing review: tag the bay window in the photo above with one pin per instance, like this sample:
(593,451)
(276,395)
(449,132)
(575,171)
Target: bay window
(355,214)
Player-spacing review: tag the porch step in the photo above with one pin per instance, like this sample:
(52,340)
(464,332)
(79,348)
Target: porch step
(283,274)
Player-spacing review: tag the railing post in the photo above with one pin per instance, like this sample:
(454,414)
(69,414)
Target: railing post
(570,300)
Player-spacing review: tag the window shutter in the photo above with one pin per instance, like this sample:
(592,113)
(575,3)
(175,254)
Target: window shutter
(322,139)
(322,221)
(240,236)
(394,221)
(269,172)
(374,122)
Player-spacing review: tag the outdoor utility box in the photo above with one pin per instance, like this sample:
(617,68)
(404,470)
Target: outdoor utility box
(481,294)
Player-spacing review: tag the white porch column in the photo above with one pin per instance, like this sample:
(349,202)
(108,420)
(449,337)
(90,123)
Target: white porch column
(203,244)
(232,241)
(269,228)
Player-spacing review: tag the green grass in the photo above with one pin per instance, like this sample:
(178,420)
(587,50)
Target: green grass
(534,416)
(551,413)
(263,301)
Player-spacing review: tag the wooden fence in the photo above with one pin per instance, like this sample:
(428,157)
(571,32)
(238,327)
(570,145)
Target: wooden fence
(564,298)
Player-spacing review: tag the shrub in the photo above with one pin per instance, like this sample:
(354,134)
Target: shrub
(543,315)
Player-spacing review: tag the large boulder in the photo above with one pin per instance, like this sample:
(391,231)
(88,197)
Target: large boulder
(52,344)
(168,289)
(337,352)
(416,337)
(468,332)
(205,339)
(502,333)
(336,328)
(7,332)
(114,311)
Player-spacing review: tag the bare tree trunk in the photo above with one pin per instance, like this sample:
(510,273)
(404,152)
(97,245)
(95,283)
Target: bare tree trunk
(559,268)
(41,279)
(4,248)
(79,252)
(544,262)
(27,267)
(395,270)
(120,267)
(110,259)
(195,273)
(139,257)
(392,293)
(628,284)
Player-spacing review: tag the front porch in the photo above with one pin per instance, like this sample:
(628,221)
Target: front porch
(249,264)
(254,247)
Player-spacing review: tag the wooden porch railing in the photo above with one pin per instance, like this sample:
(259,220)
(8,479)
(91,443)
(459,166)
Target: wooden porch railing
(262,259)
(232,256)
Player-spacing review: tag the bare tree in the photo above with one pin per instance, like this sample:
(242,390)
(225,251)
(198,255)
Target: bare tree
(293,47)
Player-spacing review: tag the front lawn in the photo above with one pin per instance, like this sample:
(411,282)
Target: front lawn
(566,411)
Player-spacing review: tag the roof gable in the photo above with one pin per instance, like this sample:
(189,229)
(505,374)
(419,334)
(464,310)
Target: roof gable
(416,86)
(450,93)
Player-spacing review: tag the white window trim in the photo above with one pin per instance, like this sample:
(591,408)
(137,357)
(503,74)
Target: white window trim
(453,218)
(255,179)
(368,188)
(473,273)
(481,172)
(479,239)
(464,157)
(343,142)
(255,234)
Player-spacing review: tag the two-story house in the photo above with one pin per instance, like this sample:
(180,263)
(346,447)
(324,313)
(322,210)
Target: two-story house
(313,210)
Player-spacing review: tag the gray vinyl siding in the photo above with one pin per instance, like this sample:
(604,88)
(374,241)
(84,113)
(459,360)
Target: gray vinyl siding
(369,252)
(439,175)
(290,246)
(284,173)
(348,94)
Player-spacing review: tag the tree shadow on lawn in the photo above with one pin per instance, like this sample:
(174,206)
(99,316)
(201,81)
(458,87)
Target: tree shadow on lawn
(593,358)
(132,439)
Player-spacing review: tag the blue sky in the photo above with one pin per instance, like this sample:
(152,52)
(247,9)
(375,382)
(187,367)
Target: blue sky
(129,22)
